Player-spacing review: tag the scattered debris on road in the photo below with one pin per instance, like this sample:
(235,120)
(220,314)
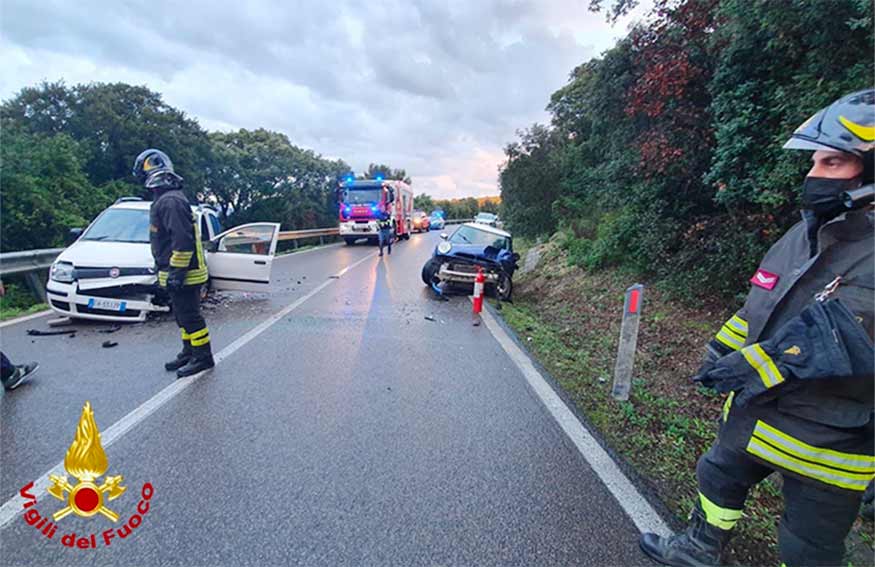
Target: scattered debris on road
(38,333)
(429,318)
(333,277)
(109,344)
(60,322)
(112,329)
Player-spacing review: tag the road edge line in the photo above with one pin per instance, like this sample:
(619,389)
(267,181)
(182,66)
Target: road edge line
(630,499)
(14,506)
(24,318)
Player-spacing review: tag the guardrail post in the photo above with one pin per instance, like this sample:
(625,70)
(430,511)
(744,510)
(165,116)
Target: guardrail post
(628,342)
(36,285)
(321,241)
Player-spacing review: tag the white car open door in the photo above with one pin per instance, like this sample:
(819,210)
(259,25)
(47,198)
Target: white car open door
(241,258)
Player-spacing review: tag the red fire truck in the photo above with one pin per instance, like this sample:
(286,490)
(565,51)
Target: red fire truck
(363,201)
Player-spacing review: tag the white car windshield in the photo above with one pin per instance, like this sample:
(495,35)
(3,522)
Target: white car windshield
(120,225)
(470,235)
(485,216)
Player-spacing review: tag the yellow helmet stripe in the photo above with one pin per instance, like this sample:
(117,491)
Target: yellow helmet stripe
(865,133)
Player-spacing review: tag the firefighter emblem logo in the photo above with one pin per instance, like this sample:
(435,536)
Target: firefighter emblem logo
(86,461)
(114,273)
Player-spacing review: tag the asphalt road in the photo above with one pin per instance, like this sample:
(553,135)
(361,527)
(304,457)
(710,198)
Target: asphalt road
(351,431)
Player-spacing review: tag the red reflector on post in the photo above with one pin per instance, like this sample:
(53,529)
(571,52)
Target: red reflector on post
(633,301)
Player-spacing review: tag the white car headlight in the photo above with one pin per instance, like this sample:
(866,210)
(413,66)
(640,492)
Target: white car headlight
(62,272)
(444,247)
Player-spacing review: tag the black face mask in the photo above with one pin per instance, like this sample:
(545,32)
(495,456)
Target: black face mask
(823,196)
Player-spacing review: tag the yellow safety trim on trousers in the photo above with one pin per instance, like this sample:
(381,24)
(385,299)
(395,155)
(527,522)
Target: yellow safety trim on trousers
(730,339)
(185,336)
(199,334)
(726,405)
(826,457)
(834,477)
(865,133)
(723,518)
(201,341)
(763,364)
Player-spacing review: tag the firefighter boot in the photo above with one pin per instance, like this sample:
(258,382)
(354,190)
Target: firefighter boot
(700,545)
(181,359)
(202,359)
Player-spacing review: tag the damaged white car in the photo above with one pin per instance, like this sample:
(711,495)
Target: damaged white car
(108,273)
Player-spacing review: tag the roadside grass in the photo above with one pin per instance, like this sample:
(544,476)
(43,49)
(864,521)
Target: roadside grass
(570,321)
(12,312)
(18,301)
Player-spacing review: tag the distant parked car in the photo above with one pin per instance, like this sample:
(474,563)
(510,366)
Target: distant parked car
(436,221)
(457,257)
(108,272)
(486,218)
(421,222)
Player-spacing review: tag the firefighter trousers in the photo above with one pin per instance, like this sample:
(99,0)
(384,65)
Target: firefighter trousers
(815,521)
(193,328)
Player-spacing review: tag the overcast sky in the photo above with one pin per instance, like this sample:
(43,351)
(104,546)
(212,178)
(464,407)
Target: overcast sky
(436,88)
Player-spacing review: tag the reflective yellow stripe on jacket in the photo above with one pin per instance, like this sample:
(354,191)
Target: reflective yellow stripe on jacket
(845,470)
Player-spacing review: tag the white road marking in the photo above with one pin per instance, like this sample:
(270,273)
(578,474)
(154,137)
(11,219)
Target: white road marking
(642,514)
(12,507)
(26,318)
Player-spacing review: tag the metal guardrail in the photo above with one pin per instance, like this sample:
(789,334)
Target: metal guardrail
(309,233)
(27,260)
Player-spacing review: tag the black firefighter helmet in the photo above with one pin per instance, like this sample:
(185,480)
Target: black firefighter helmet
(154,170)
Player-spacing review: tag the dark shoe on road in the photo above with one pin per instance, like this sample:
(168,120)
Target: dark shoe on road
(195,365)
(22,373)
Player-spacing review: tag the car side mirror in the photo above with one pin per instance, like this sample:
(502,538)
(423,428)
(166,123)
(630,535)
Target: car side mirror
(73,235)
(515,257)
(444,236)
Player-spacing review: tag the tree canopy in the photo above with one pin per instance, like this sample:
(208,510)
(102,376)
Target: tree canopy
(664,154)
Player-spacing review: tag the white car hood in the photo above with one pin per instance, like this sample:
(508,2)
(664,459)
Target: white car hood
(96,254)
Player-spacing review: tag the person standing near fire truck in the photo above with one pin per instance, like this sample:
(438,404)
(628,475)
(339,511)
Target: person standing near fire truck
(384,226)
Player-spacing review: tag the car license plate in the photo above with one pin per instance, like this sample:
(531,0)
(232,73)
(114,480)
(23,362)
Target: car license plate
(107,304)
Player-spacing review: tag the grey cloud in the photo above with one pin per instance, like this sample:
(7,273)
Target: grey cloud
(433,87)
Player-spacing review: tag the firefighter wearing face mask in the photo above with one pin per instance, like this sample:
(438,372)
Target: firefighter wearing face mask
(797,364)
(179,257)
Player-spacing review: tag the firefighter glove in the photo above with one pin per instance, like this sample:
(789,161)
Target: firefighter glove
(175,279)
(824,341)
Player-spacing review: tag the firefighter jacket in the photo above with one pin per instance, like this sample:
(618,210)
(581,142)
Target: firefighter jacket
(175,238)
(384,223)
(803,417)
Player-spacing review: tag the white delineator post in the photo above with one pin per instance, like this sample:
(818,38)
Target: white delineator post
(628,342)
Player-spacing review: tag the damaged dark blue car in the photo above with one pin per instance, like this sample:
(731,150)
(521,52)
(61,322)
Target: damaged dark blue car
(458,257)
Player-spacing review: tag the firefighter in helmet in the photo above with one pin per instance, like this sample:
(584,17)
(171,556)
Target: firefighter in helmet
(797,363)
(179,257)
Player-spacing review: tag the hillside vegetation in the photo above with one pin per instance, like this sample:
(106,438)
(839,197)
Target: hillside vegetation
(664,154)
